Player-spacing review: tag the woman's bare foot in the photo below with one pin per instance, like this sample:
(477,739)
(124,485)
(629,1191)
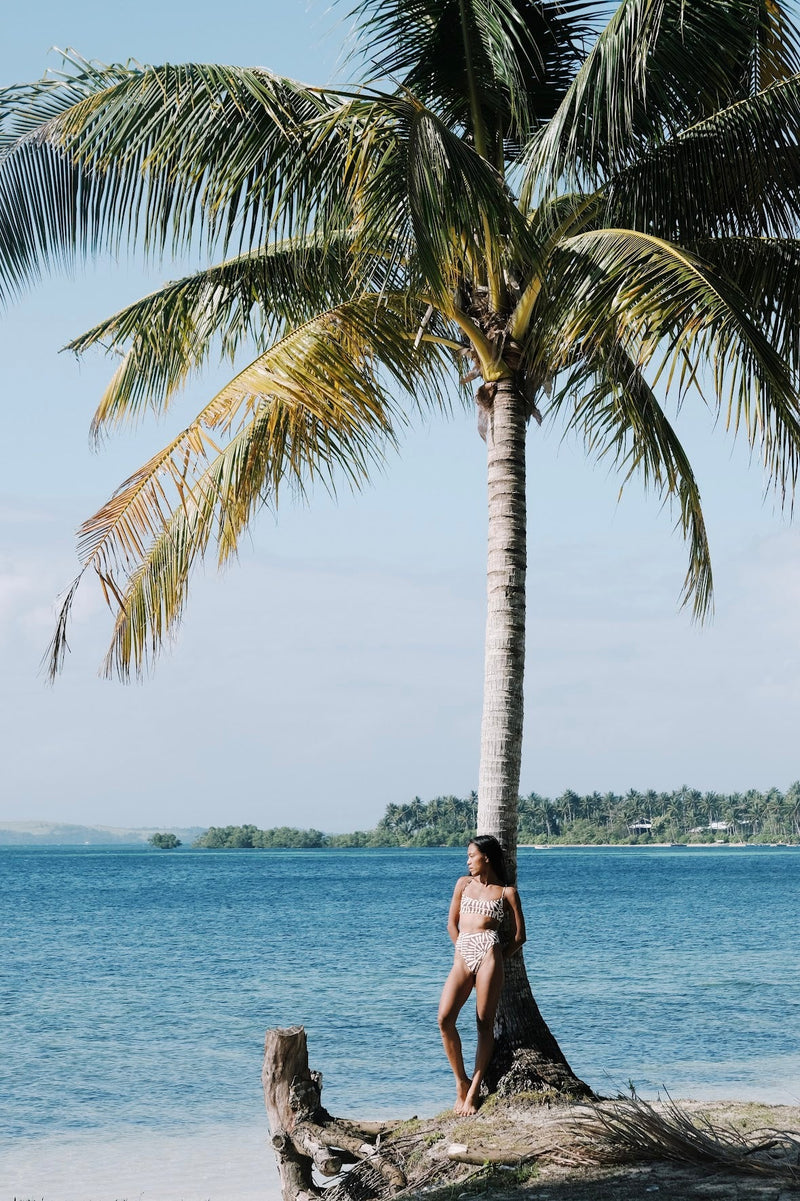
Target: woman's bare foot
(462,1093)
(471,1103)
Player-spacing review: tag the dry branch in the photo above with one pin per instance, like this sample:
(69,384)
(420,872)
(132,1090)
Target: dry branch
(461,1153)
(305,1136)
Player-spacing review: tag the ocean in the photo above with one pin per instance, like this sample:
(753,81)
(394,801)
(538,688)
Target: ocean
(137,985)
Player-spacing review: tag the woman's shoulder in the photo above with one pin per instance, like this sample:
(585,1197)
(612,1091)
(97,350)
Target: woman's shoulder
(460,885)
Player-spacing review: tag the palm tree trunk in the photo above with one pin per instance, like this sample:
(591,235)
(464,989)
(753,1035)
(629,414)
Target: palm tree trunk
(526,1054)
(504,665)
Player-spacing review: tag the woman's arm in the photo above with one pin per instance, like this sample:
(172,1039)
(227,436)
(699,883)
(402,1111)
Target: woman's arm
(519,936)
(455,908)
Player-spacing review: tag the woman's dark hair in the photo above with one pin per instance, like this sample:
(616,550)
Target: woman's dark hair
(490,847)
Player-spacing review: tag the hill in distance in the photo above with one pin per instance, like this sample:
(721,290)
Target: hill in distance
(63,834)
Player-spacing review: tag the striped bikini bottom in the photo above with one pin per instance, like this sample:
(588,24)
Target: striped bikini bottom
(473,948)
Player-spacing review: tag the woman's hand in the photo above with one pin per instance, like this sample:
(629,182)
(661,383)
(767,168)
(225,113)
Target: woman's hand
(519,936)
(455,908)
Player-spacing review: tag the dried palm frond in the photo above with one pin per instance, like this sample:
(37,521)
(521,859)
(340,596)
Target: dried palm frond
(630,1130)
(371,1179)
(362,1182)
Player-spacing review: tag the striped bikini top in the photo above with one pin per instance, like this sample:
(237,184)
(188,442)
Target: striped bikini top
(490,909)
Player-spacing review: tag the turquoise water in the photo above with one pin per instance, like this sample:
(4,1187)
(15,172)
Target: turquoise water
(137,986)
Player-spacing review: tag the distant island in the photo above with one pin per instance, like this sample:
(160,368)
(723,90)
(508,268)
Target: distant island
(164,842)
(637,818)
(686,817)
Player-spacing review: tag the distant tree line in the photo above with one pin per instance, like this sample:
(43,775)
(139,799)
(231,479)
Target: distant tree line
(239,837)
(635,818)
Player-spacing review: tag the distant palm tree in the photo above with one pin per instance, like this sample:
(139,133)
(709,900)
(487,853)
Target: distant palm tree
(584,221)
(793,808)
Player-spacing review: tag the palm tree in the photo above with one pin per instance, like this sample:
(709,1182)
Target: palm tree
(589,222)
(793,809)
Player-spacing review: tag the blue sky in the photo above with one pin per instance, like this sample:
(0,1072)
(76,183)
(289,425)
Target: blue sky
(338,666)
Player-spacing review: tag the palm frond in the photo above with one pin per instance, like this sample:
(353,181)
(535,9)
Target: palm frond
(245,301)
(317,407)
(620,419)
(775,53)
(630,1130)
(767,272)
(166,157)
(735,172)
(25,108)
(658,67)
(554,219)
(281,443)
(674,315)
(433,194)
(501,66)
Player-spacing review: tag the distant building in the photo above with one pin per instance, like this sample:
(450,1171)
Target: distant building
(640,827)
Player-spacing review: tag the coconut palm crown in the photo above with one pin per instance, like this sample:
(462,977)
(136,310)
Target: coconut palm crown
(586,211)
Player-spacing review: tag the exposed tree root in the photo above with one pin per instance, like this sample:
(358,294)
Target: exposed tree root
(523,1071)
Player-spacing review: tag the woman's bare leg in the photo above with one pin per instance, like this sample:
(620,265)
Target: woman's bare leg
(457,988)
(488,986)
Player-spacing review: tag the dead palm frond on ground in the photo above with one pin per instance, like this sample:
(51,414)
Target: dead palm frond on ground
(630,1130)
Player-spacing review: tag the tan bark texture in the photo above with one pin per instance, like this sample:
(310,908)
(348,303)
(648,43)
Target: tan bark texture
(305,1136)
(286,1078)
(527,1055)
(504,664)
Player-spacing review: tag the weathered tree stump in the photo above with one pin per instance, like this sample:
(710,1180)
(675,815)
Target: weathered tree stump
(304,1135)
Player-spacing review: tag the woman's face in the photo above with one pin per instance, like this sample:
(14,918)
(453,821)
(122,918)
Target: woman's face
(476,860)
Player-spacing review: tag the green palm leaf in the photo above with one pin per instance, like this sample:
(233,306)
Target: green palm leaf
(243,302)
(26,108)
(162,156)
(495,69)
(417,188)
(670,311)
(620,419)
(658,67)
(735,172)
(767,272)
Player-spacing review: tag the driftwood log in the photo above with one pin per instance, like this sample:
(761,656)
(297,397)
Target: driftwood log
(304,1135)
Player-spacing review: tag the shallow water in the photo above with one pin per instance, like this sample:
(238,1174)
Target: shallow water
(137,986)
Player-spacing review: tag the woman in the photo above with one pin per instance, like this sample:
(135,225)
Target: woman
(481,902)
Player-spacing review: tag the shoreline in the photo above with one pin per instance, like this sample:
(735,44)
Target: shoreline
(225,1162)
(644,846)
(532,1136)
(522,846)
